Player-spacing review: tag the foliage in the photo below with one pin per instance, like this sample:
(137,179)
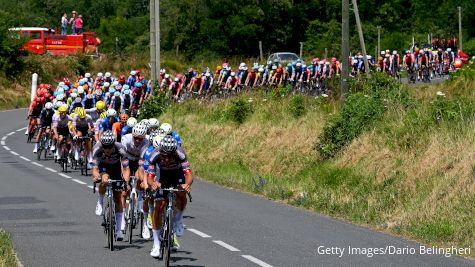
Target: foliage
(297,106)
(239,110)
(10,55)
(154,106)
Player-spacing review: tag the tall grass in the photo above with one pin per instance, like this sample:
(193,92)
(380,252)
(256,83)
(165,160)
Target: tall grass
(7,256)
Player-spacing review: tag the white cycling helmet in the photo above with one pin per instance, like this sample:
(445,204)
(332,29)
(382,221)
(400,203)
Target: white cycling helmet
(100,74)
(144,121)
(61,84)
(115,83)
(176,79)
(108,74)
(107,138)
(60,97)
(157,139)
(152,135)
(133,73)
(87,75)
(168,144)
(111,113)
(74,95)
(167,76)
(80,90)
(233,74)
(261,69)
(106,84)
(139,130)
(166,128)
(49,105)
(131,122)
(58,104)
(153,123)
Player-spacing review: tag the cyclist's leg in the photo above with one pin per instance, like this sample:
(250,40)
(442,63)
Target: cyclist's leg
(157,222)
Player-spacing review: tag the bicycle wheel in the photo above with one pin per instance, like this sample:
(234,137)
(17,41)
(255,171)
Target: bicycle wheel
(131,219)
(40,147)
(64,160)
(168,239)
(111,225)
(106,222)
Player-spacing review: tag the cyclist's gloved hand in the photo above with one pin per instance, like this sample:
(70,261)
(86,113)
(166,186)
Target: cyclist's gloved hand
(96,178)
(186,187)
(75,137)
(155,186)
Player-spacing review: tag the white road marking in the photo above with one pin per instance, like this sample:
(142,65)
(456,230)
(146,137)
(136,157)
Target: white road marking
(224,245)
(4,138)
(14,153)
(90,186)
(27,159)
(51,170)
(37,164)
(7,148)
(79,181)
(22,129)
(2,142)
(65,176)
(8,134)
(194,231)
(256,261)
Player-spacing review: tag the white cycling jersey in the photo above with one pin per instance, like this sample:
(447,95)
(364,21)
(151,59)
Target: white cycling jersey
(59,122)
(134,151)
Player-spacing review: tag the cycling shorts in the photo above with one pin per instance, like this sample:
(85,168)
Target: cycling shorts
(64,131)
(169,179)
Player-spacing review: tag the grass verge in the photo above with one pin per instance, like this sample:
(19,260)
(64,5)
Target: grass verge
(7,256)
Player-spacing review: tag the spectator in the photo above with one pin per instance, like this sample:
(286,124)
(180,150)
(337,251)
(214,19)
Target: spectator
(78,24)
(64,24)
(72,22)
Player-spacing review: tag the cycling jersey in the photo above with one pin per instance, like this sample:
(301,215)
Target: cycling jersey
(89,103)
(46,118)
(116,103)
(112,164)
(105,125)
(35,109)
(126,130)
(117,130)
(171,167)
(133,150)
(61,122)
(82,125)
(177,138)
(145,155)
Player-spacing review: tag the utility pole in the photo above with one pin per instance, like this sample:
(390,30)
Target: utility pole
(379,40)
(301,49)
(157,39)
(460,27)
(345,48)
(153,67)
(360,33)
(260,50)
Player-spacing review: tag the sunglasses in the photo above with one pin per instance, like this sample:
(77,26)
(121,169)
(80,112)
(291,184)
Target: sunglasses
(108,147)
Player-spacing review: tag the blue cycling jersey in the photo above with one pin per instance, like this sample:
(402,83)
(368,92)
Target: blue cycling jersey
(146,157)
(126,130)
(104,126)
(177,138)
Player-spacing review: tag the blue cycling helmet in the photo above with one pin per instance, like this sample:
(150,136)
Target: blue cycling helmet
(81,82)
(138,84)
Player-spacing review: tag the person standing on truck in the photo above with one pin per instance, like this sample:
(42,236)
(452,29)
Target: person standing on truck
(64,24)
(72,22)
(78,24)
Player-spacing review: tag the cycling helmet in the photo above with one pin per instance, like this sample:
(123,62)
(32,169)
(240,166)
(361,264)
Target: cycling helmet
(168,144)
(89,96)
(167,76)
(116,93)
(133,73)
(80,112)
(61,84)
(126,92)
(208,74)
(111,113)
(144,121)
(449,49)
(58,104)
(100,105)
(138,84)
(139,130)
(103,115)
(261,69)
(124,117)
(233,74)
(156,140)
(49,105)
(298,65)
(112,90)
(74,95)
(107,138)
(152,135)
(80,90)
(100,74)
(63,108)
(87,75)
(355,61)
(153,123)
(81,82)
(274,67)
(106,84)
(107,75)
(60,97)
(166,128)
(131,122)
(176,79)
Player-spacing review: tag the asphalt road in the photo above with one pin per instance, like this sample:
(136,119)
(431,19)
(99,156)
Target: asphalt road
(51,218)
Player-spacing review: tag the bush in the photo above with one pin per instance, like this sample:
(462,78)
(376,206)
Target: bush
(297,106)
(154,107)
(239,110)
(358,113)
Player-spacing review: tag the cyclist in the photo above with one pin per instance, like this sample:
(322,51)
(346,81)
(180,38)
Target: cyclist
(231,82)
(166,129)
(60,126)
(106,123)
(46,118)
(110,162)
(129,126)
(206,84)
(118,126)
(173,169)
(153,125)
(34,112)
(83,125)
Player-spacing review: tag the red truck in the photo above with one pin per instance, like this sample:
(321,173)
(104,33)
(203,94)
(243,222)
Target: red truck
(46,41)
